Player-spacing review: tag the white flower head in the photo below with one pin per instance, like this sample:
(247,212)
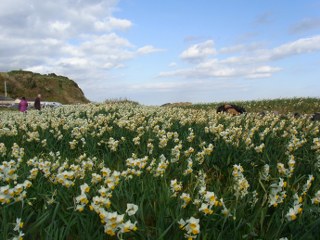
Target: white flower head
(18,225)
(131,209)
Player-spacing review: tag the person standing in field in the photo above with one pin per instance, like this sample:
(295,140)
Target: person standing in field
(23,105)
(37,103)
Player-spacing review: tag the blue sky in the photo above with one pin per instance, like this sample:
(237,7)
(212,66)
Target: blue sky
(156,52)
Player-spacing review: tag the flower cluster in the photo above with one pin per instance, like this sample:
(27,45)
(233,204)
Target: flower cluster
(191,226)
(241,184)
(16,193)
(82,199)
(114,223)
(176,187)
(277,193)
(296,208)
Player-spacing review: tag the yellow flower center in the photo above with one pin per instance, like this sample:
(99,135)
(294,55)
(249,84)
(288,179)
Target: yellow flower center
(110,232)
(195,231)
(293,217)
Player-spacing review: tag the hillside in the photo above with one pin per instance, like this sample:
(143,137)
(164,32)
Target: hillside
(51,87)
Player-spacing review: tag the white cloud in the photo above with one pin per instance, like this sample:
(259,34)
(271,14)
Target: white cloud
(297,47)
(112,23)
(199,51)
(92,57)
(300,46)
(218,71)
(120,23)
(59,26)
(233,49)
(105,42)
(247,64)
(148,49)
(263,72)
(177,86)
(35,19)
(78,39)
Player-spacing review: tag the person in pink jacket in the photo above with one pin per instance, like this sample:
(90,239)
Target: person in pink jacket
(23,105)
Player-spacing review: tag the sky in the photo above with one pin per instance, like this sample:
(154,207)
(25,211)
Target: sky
(156,52)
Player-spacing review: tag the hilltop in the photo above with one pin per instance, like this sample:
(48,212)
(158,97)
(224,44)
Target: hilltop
(51,86)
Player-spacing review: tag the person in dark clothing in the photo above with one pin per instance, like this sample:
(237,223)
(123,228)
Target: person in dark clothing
(37,103)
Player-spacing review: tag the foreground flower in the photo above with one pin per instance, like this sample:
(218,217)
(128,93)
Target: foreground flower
(277,193)
(128,226)
(17,228)
(191,226)
(186,199)
(241,184)
(175,187)
(18,225)
(296,209)
(225,211)
(316,199)
(293,212)
(206,209)
(112,221)
(131,209)
(84,188)
(307,186)
(19,237)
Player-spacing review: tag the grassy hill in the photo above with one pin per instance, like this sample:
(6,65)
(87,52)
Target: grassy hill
(51,86)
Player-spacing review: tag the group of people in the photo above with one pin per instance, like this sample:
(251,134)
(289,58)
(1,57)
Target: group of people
(23,104)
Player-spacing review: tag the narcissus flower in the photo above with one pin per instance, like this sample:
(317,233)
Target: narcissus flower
(19,224)
(191,226)
(128,226)
(206,209)
(186,199)
(316,198)
(85,188)
(131,209)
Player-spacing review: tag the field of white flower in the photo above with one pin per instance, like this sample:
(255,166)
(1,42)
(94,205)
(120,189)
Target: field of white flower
(125,171)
